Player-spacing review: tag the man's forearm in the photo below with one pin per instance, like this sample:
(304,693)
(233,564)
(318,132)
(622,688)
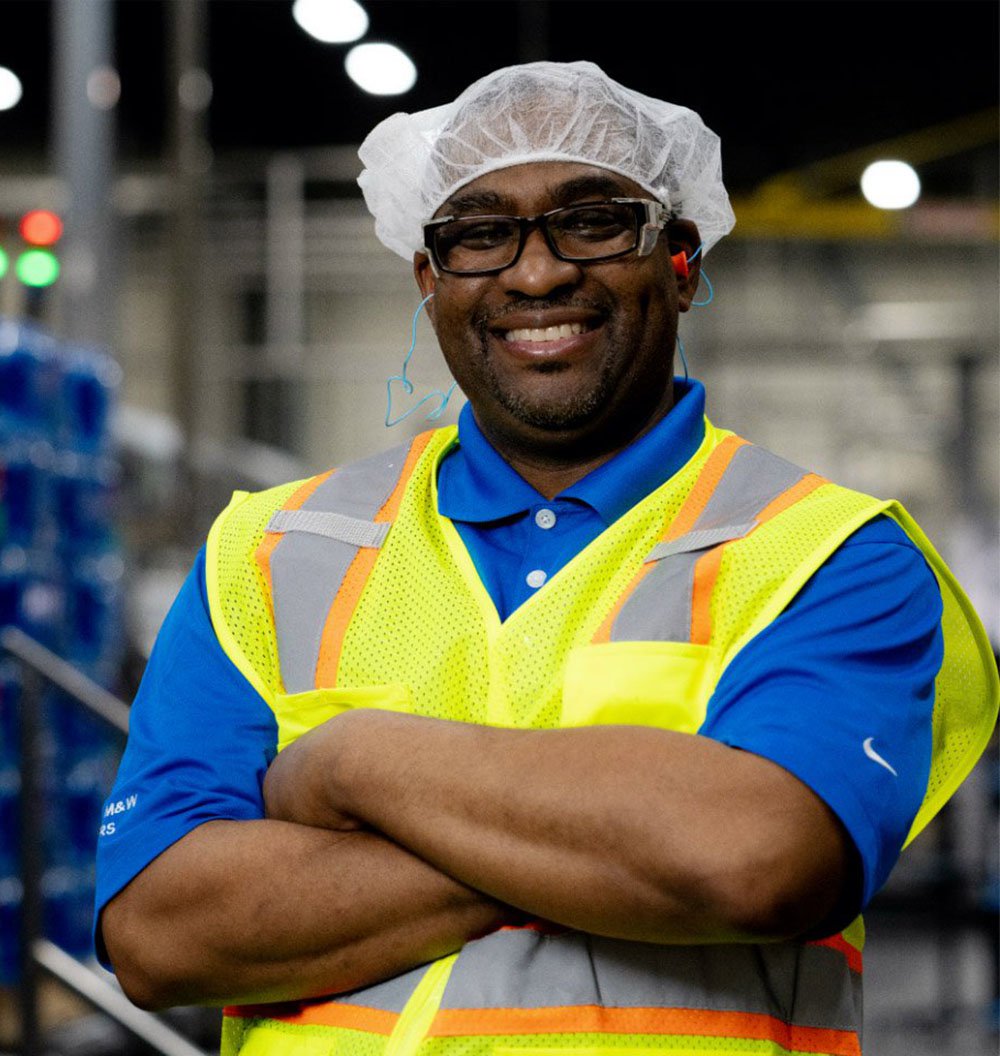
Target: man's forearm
(622,831)
(242,912)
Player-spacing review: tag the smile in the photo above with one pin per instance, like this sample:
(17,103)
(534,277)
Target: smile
(547,333)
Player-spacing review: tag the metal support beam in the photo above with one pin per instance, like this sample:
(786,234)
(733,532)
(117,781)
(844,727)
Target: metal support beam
(285,261)
(188,96)
(106,998)
(31,863)
(85,94)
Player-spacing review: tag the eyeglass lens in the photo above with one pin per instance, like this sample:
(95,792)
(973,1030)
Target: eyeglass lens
(580,232)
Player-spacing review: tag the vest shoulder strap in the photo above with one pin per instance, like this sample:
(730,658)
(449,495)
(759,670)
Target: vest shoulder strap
(287,552)
(341,523)
(237,585)
(740,488)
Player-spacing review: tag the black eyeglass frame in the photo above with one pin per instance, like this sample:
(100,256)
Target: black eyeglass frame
(651,217)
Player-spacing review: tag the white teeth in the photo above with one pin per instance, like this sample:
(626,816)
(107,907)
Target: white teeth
(546,333)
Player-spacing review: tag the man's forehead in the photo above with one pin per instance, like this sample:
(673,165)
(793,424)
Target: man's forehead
(554,183)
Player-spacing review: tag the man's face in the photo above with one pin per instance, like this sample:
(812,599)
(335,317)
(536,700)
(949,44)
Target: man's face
(551,352)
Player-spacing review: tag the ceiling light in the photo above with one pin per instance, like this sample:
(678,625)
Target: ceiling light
(381,69)
(10,89)
(331,21)
(890,184)
(104,88)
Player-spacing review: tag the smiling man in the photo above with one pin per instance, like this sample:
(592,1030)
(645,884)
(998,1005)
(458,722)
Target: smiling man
(559,358)
(587,727)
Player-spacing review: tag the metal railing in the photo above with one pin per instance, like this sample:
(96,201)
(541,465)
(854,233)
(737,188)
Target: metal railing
(39,666)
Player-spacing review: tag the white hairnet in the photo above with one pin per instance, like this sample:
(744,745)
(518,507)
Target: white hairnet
(541,111)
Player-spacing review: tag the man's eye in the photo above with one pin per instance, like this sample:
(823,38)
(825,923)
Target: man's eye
(595,223)
(480,234)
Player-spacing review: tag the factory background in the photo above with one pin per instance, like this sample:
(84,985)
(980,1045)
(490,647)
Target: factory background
(192,300)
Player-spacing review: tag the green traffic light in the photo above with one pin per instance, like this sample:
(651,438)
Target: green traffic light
(4,262)
(37,267)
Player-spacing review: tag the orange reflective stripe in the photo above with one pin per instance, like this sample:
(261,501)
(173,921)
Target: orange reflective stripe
(808,484)
(594,1019)
(706,570)
(711,473)
(851,953)
(357,574)
(603,633)
(708,480)
(324,1014)
(542,927)
(262,555)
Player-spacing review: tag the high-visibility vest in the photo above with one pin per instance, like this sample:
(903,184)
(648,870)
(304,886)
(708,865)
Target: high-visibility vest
(350,590)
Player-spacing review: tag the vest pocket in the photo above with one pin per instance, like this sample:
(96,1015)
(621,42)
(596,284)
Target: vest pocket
(662,684)
(297,713)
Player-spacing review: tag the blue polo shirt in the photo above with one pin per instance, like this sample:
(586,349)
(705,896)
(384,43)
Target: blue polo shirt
(838,690)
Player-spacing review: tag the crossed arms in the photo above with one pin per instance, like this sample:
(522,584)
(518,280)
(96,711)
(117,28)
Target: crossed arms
(392,839)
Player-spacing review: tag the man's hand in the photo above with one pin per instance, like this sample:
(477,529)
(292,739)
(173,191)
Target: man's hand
(290,796)
(622,831)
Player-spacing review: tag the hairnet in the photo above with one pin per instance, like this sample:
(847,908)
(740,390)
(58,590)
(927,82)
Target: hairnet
(541,111)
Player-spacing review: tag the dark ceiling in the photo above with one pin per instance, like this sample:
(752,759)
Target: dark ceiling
(784,83)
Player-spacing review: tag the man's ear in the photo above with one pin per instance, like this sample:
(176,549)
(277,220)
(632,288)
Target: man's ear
(682,236)
(423,272)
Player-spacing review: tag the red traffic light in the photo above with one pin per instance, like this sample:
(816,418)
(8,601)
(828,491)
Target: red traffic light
(41,227)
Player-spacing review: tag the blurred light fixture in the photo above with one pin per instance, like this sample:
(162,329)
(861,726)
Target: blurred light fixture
(10,89)
(195,89)
(890,184)
(331,21)
(41,227)
(381,69)
(4,262)
(37,267)
(104,88)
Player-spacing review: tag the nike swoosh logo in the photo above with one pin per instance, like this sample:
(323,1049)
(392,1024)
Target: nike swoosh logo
(875,757)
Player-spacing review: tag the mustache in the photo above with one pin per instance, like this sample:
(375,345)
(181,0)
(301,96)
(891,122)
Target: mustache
(486,320)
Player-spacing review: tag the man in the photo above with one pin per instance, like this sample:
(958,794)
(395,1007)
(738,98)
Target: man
(597,726)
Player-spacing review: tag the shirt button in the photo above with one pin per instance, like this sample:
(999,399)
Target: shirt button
(545,518)
(535,578)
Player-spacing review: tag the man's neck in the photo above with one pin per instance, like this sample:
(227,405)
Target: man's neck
(549,472)
(550,480)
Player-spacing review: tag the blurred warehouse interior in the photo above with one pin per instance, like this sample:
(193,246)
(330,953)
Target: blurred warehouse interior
(224,317)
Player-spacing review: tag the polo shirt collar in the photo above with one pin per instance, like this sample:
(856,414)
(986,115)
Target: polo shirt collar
(476,485)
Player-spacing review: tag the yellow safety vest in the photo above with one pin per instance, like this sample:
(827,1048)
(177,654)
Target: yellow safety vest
(350,590)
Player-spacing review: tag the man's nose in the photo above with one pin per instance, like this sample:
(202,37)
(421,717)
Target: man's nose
(538,271)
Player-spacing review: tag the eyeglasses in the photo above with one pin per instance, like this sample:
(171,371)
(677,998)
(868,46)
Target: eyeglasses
(589,231)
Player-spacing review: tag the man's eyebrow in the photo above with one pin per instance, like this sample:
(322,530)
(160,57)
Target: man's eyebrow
(473,202)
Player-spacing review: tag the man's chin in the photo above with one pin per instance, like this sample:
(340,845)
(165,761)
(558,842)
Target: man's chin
(554,416)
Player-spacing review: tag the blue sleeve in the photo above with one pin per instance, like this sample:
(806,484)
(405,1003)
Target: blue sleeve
(200,739)
(839,690)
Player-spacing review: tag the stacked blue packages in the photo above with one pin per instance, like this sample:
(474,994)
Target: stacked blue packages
(61,581)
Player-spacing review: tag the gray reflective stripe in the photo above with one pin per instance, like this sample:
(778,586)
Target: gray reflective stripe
(350,530)
(810,986)
(753,478)
(700,540)
(390,996)
(360,488)
(659,609)
(307,569)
